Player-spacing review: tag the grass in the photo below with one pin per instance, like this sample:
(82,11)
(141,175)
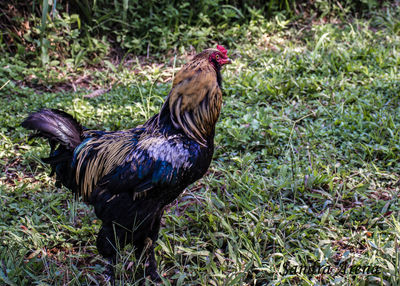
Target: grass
(306,169)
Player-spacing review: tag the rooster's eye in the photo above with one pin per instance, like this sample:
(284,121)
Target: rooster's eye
(217,57)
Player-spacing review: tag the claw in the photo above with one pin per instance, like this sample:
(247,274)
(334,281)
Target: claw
(109,275)
(154,276)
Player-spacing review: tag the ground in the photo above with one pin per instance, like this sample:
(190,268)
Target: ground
(305,172)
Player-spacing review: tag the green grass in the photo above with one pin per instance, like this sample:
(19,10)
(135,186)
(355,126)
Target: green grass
(306,169)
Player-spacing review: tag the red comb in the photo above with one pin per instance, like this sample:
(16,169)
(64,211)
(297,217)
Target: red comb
(222,50)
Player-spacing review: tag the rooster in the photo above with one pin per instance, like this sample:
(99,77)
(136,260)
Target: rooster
(130,176)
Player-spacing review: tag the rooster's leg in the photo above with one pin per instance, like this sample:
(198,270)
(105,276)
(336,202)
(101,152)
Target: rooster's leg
(151,263)
(109,271)
(107,247)
(144,250)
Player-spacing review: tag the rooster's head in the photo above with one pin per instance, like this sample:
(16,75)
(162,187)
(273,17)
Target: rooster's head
(219,57)
(194,102)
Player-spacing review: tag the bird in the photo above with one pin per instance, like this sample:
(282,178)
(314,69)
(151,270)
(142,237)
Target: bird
(130,176)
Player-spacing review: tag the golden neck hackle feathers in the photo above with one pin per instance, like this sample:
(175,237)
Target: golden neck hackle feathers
(195,99)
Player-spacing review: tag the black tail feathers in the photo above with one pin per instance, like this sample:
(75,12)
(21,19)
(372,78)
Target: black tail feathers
(60,129)
(55,125)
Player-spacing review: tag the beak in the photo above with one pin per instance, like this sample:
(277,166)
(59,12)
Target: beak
(226,61)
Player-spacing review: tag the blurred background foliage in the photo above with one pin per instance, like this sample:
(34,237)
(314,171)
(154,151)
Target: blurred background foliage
(49,43)
(77,33)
